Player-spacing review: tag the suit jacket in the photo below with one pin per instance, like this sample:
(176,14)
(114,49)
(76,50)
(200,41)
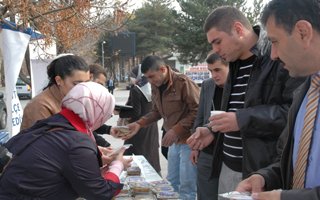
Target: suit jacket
(280,174)
(205,103)
(207,93)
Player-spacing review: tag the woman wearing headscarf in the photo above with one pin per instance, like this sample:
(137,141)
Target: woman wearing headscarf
(146,141)
(64,72)
(57,158)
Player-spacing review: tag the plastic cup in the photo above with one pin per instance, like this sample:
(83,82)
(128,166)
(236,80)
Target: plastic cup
(216,112)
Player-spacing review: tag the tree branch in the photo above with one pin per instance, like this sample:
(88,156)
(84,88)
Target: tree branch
(52,11)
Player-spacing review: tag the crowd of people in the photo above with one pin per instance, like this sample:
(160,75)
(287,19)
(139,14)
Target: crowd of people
(265,83)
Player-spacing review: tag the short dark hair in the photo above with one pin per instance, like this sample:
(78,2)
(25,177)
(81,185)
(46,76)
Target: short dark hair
(223,18)
(151,63)
(65,66)
(96,69)
(287,12)
(214,57)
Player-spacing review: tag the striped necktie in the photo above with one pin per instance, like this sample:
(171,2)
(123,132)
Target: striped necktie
(306,136)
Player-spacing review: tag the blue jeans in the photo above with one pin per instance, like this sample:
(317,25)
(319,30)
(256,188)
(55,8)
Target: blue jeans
(181,173)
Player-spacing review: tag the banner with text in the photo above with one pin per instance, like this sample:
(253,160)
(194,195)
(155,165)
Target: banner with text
(13,45)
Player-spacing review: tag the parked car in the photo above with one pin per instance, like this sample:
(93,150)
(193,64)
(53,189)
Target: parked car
(3,112)
(23,89)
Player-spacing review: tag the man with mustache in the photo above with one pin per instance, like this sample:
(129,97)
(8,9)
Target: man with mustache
(296,41)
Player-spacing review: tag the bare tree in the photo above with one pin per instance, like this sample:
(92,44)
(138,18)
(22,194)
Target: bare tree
(64,22)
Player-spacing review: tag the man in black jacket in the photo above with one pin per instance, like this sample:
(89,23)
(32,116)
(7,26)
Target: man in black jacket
(257,96)
(296,41)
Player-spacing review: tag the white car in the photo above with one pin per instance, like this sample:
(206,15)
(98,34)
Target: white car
(23,89)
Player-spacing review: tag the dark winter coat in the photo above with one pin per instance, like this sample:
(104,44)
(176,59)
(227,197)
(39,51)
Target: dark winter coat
(59,163)
(264,116)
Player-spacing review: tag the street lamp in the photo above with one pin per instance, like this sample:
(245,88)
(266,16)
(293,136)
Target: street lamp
(102,52)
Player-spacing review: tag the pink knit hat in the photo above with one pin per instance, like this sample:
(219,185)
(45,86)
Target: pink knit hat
(92,102)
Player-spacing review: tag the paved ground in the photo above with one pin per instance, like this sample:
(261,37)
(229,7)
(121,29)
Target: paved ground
(121,96)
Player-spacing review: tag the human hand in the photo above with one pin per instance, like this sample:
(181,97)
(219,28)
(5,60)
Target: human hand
(200,139)
(224,122)
(116,112)
(272,195)
(194,156)
(253,184)
(106,156)
(119,131)
(114,132)
(169,138)
(105,150)
(133,129)
(125,161)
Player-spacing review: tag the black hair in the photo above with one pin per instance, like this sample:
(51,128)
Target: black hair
(134,72)
(65,66)
(287,12)
(223,18)
(96,70)
(214,57)
(151,63)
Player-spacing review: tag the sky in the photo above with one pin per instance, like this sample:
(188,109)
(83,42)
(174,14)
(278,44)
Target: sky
(250,2)
(138,3)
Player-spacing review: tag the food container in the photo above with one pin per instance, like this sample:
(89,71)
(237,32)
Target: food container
(123,198)
(145,197)
(134,171)
(162,188)
(140,187)
(161,182)
(134,179)
(167,195)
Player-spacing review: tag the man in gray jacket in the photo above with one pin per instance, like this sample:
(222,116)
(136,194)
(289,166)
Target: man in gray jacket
(210,99)
(296,42)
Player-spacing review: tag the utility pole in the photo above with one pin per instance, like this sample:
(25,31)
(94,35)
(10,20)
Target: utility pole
(102,52)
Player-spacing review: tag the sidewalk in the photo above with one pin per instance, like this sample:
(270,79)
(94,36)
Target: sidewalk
(121,86)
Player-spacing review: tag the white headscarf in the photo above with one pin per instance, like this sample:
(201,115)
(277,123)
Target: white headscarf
(141,82)
(92,102)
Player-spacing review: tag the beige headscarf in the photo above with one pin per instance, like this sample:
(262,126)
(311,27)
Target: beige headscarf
(92,102)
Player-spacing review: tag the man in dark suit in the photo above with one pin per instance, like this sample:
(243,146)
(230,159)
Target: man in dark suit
(210,99)
(296,42)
